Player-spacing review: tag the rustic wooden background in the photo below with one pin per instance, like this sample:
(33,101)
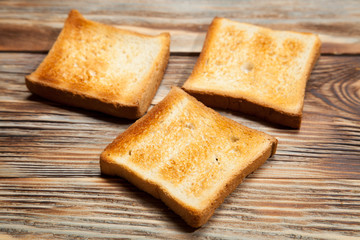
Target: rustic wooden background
(50,182)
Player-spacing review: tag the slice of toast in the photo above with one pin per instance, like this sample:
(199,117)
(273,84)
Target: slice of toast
(100,67)
(187,154)
(254,70)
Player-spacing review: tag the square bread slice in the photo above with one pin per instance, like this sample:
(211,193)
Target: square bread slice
(100,67)
(254,70)
(187,155)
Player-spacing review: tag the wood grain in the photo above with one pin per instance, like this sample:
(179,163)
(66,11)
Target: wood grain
(69,208)
(43,138)
(187,21)
(50,182)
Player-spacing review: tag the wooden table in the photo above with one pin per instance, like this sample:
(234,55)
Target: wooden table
(50,182)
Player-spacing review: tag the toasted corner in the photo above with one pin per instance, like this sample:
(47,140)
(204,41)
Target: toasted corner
(73,14)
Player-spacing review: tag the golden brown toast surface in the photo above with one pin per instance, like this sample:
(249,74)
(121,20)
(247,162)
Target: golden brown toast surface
(187,154)
(256,64)
(98,61)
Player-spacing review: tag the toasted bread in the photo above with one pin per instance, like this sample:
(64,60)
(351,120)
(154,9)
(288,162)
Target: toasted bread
(254,70)
(187,154)
(100,67)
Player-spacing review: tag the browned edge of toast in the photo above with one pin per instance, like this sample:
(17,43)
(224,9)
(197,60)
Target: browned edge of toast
(156,75)
(244,105)
(84,100)
(192,216)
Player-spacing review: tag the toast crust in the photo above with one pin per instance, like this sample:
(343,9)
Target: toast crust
(241,104)
(264,106)
(194,215)
(48,79)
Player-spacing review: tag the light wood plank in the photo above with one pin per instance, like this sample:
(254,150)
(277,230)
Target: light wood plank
(336,23)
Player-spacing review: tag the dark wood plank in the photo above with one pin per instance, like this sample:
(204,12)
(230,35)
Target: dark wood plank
(69,208)
(42,138)
(336,23)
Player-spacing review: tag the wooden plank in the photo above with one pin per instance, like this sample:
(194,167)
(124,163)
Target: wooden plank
(50,182)
(42,138)
(69,208)
(21,30)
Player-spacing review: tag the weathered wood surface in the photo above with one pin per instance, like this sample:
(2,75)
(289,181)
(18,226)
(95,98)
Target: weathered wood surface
(42,138)
(73,208)
(34,25)
(301,191)
(50,182)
